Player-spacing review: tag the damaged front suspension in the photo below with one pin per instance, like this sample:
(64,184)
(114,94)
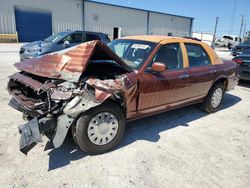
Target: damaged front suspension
(31,131)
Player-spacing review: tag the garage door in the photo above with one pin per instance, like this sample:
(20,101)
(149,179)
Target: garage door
(32,24)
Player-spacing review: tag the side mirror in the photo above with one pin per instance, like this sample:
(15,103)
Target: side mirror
(66,44)
(158,67)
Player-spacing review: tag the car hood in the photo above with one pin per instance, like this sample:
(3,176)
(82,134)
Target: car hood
(69,64)
(36,44)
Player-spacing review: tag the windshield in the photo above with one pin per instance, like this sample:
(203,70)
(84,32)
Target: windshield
(132,52)
(56,37)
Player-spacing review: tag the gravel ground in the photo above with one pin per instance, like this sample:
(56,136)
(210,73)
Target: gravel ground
(182,148)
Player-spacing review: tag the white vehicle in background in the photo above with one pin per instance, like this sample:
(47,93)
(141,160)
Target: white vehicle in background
(228,41)
(204,37)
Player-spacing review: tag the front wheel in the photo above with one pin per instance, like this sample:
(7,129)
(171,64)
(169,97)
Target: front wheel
(100,129)
(214,98)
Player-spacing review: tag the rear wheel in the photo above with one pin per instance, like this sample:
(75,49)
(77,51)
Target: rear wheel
(100,129)
(214,98)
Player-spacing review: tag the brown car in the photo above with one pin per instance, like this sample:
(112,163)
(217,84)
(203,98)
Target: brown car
(93,89)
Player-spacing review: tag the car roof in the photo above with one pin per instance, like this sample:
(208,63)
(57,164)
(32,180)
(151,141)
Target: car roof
(159,38)
(74,31)
(235,36)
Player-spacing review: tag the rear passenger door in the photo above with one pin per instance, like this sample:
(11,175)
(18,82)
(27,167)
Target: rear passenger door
(200,71)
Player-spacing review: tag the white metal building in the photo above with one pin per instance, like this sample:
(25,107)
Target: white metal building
(204,37)
(35,19)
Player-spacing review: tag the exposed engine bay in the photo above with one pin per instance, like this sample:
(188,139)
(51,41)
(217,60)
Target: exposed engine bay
(101,70)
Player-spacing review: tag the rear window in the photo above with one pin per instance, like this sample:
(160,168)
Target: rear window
(197,56)
(107,38)
(90,37)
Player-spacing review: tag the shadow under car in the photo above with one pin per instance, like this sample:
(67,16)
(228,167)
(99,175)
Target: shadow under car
(148,129)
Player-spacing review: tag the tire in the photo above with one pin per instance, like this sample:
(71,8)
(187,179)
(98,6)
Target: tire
(106,122)
(210,104)
(73,133)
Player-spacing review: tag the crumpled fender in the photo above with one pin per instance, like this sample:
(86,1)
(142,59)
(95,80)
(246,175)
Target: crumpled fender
(104,89)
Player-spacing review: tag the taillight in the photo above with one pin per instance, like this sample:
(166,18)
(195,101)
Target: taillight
(238,61)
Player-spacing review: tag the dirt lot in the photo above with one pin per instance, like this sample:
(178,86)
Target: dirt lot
(181,148)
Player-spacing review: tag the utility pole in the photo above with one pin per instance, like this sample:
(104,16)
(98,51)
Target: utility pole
(244,31)
(216,24)
(241,25)
(215,30)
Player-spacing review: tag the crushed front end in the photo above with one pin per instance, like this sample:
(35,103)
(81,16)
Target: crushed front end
(41,101)
(53,90)
(51,106)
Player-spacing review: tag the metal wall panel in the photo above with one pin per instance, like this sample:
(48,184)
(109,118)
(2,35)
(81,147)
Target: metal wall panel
(103,18)
(162,24)
(66,14)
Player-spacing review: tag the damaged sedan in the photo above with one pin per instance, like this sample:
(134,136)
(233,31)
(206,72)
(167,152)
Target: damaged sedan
(93,89)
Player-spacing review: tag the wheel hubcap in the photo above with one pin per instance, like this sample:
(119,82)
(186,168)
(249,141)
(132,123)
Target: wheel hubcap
(216,98)
(102,128)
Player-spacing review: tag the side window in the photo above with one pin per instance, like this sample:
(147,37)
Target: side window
(197,56)
(74,38)
(170,55)
(90,37)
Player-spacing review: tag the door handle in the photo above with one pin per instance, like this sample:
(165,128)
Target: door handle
(184,76)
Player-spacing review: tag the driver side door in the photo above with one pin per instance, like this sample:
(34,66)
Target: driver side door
(164,89)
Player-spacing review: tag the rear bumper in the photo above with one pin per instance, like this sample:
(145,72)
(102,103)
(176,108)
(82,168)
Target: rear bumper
(244,77)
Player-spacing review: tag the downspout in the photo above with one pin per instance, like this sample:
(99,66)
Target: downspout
(83,15)
(148,22)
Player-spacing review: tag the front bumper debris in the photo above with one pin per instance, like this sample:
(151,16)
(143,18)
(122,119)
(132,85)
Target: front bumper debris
(30,135)
(55,129)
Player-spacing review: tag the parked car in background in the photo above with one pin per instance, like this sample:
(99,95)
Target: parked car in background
(243,60)
(238,49)
(94,88)
(228,41)
(59,41)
